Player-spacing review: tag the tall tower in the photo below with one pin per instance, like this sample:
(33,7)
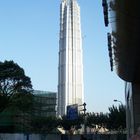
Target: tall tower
(70,70)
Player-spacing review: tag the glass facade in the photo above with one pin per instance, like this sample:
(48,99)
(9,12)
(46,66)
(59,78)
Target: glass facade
(44,103)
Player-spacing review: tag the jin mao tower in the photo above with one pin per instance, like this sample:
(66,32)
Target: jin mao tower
(70,69)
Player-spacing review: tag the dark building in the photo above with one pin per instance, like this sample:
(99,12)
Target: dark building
(124,52)
(44,103)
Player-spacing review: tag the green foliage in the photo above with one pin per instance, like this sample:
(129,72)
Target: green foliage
(117,118)
(3,102)
(13,118)
(44,124)
(114,120)
(23,101)
(15,98)
(14,85)
(91,120)
(97,121)
(71,125)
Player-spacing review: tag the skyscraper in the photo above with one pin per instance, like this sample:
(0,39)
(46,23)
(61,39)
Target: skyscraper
(70,71)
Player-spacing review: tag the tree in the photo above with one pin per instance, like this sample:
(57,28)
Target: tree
(114,120)
(13,84)
(117,118)
(71,125)
(16,97)
(91,120)
(44,125)
(97,121)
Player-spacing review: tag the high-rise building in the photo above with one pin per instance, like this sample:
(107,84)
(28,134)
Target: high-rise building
(70,75)
(124,53)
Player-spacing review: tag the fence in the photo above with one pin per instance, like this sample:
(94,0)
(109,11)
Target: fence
(60,137)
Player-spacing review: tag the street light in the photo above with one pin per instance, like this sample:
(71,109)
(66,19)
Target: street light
(84,109)
(85,130)
(118,101)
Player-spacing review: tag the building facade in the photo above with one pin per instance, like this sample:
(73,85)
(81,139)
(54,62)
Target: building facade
(124,53)
(44,103)
(70,69)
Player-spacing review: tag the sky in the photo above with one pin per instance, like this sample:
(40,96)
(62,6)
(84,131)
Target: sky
(29,35)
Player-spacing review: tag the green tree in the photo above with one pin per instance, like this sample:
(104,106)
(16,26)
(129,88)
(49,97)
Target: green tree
(22,101)
(44,124)
(97,121)
(14,86)
(114,120)
(91,120)
(71,125)
(16,98)
(117,118)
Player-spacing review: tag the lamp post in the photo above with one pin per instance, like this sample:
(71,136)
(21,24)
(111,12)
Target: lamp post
(84,110)
(85,130)
(118,101)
